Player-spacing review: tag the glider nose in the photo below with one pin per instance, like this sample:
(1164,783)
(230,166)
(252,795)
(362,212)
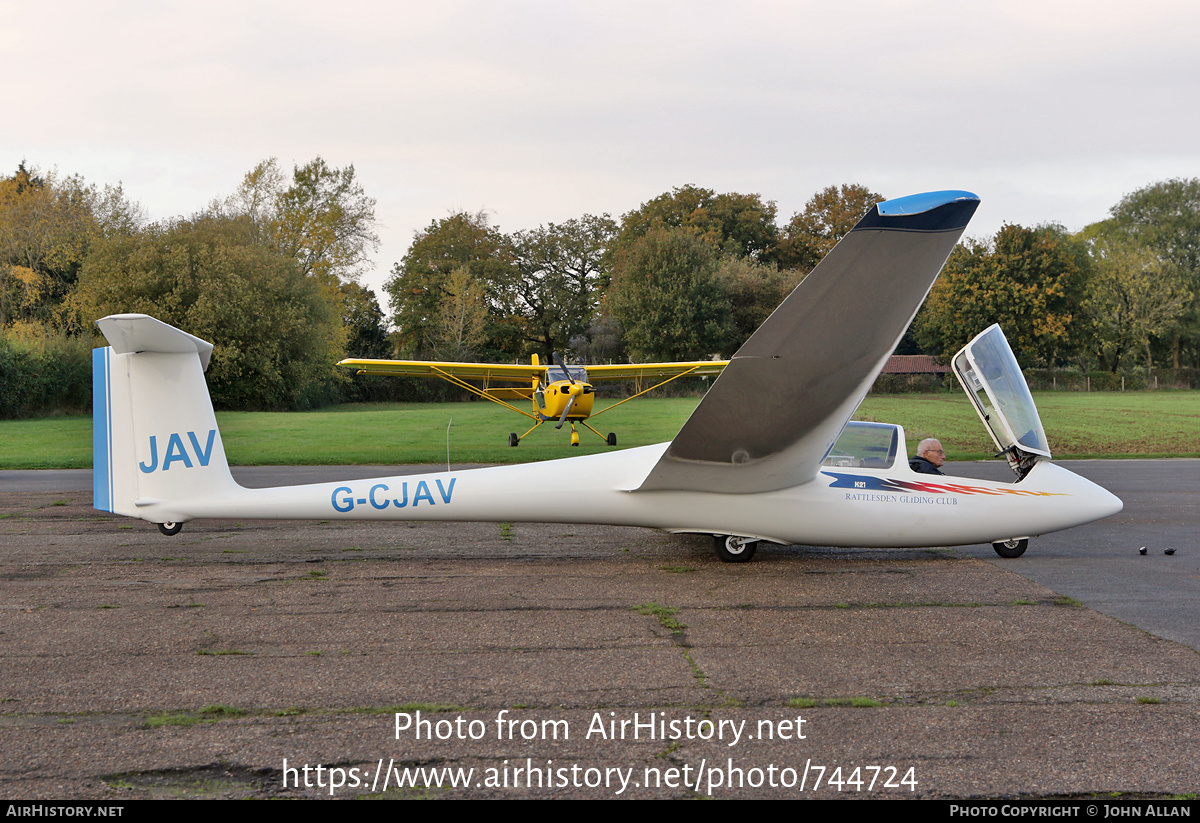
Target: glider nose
(1095,501)
(1076,500)
(1109,505)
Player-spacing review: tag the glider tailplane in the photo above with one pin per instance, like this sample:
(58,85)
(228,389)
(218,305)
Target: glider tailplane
(154,434)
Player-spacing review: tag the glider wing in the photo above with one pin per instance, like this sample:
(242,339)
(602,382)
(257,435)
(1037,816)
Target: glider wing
(780,404)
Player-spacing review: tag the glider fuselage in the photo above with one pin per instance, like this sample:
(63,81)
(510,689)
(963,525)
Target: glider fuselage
(841,506)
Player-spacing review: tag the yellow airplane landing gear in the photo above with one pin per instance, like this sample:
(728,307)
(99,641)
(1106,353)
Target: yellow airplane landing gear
(574,436)
(514,440)
(610,440)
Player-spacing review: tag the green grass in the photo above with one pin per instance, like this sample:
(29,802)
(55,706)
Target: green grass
(63,442)
(1078,424)
(665,615)
(209,714)
(427,708)
(855,702)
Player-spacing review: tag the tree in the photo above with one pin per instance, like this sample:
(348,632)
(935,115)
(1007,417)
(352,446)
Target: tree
(420,281)
(826,219)
(276,332)
(737,224)
(323,219)
(1165,218)
(366,332)
(667,298)
(557,279)
(753,290)
(460,325)
(1132,296)
(1028,280)
(47,226)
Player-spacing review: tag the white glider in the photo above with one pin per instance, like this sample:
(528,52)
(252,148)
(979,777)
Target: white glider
(767,454)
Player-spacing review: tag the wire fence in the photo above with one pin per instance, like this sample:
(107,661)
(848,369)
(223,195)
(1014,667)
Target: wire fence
(1051,380)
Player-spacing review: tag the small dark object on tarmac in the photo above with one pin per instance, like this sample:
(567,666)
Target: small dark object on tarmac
(1142,550)
(1168,551)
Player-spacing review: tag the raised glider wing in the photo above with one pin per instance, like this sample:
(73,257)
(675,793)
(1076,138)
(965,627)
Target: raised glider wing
(767,454)
(559,392)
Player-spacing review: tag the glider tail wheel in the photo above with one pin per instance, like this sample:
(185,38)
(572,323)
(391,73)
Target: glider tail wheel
(170,529)
(734,549)
(513,439)
(1011,548)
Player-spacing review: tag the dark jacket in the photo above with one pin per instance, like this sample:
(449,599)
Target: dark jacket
(922,466)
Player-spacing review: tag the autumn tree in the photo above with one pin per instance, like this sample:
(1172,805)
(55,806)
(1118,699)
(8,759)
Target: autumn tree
(1133,295)
(667,297)
(276,332)
(47,226)
(557,277)
(1029,281)
(753,291)
(827,217)
(737,224)
(461,321)
(1165,219)
(420,281)
(320,217)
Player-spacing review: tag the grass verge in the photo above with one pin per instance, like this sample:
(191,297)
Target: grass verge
(1078,424)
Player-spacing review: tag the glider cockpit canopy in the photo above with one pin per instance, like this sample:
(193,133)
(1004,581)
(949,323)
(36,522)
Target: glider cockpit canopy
(988,371)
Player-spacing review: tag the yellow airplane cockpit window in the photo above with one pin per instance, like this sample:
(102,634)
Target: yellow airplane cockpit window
(577,373)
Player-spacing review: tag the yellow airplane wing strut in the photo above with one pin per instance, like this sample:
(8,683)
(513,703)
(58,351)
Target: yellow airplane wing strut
(643,391)
(463,384)
(453,379)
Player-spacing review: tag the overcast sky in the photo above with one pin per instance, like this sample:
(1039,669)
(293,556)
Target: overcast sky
(543,110)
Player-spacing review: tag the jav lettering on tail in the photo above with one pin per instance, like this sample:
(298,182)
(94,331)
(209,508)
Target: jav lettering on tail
(177,451)
(379,497)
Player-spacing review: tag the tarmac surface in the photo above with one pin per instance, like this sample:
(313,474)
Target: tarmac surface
(222,661)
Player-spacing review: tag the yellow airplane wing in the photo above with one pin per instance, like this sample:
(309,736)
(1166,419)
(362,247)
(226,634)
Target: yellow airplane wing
(489,373)
(522,373)
(514,373)
(630,371)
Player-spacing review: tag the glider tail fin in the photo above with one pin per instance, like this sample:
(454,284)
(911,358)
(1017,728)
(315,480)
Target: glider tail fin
(155,442)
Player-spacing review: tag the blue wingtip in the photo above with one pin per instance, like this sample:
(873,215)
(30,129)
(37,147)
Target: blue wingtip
(929,212)
(920,203)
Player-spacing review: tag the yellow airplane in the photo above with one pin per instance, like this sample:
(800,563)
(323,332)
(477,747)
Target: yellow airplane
(556,392)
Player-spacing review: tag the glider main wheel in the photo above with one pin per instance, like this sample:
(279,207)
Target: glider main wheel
(1011,548)
(513,439)
(611,439)
(733,549)
(170,529)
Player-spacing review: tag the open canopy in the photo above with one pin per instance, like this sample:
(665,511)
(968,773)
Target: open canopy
(988,371)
